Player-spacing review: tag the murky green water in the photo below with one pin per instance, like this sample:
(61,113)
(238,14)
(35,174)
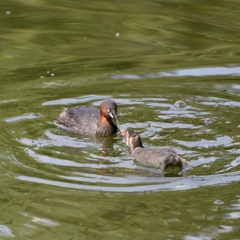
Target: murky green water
(151,57)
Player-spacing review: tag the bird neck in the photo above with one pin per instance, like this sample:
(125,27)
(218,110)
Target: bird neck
(104,119)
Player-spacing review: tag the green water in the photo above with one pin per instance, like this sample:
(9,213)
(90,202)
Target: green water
(173,68)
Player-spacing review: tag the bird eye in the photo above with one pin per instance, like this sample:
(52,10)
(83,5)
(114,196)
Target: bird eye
(108,110)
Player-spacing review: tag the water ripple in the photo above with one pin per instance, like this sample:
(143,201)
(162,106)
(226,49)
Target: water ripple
(175,185)
(195,72)
(83,162)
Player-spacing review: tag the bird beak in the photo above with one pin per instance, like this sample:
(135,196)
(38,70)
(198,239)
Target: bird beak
(113,115)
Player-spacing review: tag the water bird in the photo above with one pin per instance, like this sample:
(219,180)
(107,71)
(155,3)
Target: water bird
(160,157)
(89,120)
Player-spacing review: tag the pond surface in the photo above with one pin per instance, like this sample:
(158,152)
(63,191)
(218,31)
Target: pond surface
(172,67)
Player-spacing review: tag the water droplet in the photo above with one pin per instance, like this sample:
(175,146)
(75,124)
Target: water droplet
(207,121)
(117,34)
(8,12)
(218,202)
(52,74)
(180,104)
(206,166)
(41,76)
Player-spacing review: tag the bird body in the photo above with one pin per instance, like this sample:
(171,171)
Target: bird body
(90,120)
(160,157)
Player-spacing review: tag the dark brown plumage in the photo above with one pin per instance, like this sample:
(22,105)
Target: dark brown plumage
(90,120)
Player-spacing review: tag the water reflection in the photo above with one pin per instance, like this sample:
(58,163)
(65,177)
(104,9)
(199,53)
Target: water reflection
(5,231)
(147,183)
(173,70)
(197,72)
(105,164)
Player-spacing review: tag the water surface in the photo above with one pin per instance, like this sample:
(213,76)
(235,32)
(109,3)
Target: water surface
(172,67)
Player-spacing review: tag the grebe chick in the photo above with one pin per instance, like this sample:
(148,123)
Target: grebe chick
(160,157)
